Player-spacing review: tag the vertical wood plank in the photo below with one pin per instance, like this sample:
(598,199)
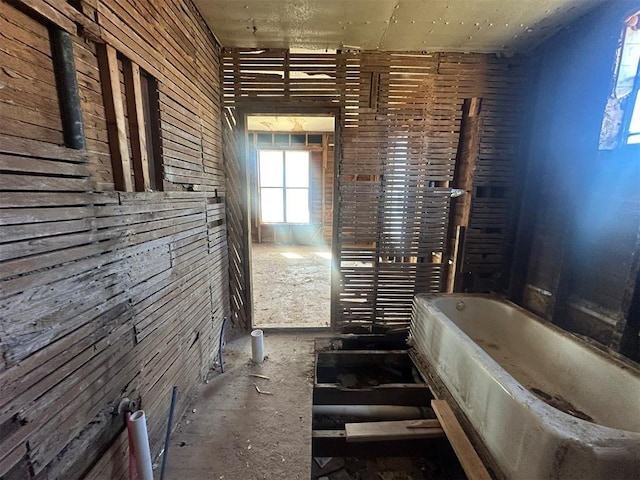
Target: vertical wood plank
(137,132)
(469,459)
(468,151)
(114,111)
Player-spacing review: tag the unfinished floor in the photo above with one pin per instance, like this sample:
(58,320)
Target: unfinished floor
(291,285)
(233,432)
(243,426)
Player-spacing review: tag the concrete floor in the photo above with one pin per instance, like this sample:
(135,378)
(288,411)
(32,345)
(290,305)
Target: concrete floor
(291,286)
(232,432)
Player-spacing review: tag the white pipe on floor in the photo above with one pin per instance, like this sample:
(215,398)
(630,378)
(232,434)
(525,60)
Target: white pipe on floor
(141,445)
(257,346)
(384,412)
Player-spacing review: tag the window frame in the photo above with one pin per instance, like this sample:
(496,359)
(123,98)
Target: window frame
(284,188)
(632,99)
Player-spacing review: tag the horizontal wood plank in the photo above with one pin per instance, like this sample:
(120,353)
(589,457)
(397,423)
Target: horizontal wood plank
(393,430)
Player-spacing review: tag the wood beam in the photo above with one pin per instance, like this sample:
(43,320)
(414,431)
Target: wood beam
(469,459)
(468,151)
(137,132)
(59,13)
(114,111)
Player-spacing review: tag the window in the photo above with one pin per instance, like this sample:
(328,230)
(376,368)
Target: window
(131,110)
(628,80)
(284,186)
(621,123)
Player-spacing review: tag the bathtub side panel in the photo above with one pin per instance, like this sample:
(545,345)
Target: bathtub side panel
(527,438)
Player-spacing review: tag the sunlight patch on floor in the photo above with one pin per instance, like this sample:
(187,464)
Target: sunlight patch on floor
(291,256)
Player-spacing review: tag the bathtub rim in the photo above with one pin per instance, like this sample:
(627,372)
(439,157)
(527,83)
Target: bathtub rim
(588,342)
(555,417)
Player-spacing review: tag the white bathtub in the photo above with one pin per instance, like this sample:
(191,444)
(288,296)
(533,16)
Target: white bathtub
(493,355)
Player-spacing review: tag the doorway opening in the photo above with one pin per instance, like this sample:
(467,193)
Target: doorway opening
(291,189)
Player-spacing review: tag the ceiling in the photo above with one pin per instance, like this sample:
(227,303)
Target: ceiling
(290,123)
(492,26)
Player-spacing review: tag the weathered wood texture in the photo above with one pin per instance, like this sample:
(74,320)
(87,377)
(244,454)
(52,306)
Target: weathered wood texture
(579,240)
(105,294)
(394,430)
(237,224)
(469,459)
(28,100)
(400,126)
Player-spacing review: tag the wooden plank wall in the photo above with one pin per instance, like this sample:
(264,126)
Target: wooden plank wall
(400,127)
(30,107)
(237,224)
(105,294)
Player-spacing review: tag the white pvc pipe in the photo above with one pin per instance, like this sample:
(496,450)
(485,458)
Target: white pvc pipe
(257,346)
(386,412)
(141,445)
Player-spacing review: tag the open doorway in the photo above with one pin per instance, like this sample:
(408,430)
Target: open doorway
(291,182)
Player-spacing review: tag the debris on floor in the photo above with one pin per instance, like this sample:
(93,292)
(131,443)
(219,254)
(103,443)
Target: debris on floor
(385,468)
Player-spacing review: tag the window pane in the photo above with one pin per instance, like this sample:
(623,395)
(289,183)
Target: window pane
(297,205)
(271,204)
(297,169)
(270,168)
(628,67)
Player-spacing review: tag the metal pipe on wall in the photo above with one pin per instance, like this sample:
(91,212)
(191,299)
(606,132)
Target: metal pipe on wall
(64,66)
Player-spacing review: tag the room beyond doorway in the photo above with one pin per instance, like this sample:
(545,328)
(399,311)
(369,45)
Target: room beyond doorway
(291,162)
(291,286)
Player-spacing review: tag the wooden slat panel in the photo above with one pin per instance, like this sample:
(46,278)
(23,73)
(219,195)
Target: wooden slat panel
(57,13)
(105,294)
(400,135)
(237,226)
(27,77)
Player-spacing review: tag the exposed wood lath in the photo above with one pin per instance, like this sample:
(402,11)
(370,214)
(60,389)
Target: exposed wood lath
(105,294)
(400,126)
(237,225)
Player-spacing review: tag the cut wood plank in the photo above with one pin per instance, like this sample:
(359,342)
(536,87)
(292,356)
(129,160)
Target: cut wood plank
(469,459)
(137,132)
(44,9)
(396,430)
(116,122)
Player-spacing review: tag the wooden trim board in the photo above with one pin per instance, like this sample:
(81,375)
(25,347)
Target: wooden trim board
(395,430)
(469,459)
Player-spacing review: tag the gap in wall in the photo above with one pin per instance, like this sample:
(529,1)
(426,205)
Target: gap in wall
(291,160)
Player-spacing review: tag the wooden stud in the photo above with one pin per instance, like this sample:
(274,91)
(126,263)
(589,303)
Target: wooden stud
(114,110)
(466,158)
(137,131)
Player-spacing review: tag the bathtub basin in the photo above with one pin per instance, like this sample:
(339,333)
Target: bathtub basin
(545,404)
